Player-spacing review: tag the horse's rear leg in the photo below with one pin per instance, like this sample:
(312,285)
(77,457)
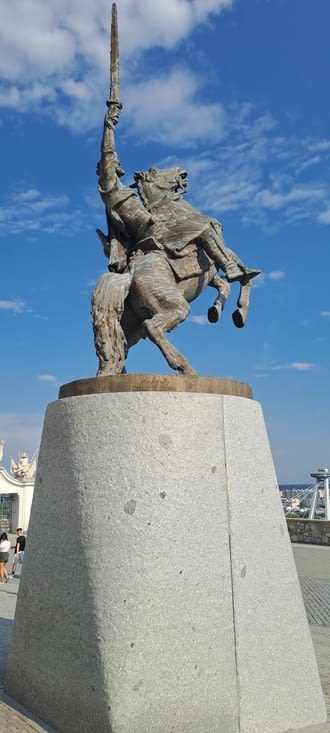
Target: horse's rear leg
(160,323)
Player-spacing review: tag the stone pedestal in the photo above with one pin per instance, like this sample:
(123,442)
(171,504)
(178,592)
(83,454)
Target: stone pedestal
(159,592)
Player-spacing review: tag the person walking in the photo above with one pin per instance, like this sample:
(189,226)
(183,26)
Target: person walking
(19,550)
(4,556)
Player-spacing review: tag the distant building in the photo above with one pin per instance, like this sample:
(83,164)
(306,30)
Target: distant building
(16,491)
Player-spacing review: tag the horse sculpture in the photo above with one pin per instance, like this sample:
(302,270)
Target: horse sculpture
(162,254)
(148,300)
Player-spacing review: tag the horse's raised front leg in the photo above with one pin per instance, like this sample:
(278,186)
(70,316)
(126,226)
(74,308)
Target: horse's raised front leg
(240,314)
(156,327)
(223,288)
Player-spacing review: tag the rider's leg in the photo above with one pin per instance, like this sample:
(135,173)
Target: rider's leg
(213,243)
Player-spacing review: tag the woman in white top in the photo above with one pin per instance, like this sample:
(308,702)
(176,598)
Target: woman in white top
(4,556)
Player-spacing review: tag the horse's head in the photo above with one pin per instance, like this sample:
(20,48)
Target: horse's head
(156,184)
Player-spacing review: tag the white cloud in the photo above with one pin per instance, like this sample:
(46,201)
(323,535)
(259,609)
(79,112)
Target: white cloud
(319,146)
(39,212)
(200,320)
(55,61)
(258,173)
(324,217)
(56,53)
(30,195)
(146,23)
(10,97)
(16,305)
(325,314)
(47,378)
(164,109)
(274,276)
(273,199)
(299,366)
(311,161)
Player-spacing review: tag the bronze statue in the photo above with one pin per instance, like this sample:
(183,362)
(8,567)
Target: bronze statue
(162,253)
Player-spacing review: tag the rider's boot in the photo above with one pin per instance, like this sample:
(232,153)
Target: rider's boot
(239,272)
(225,260)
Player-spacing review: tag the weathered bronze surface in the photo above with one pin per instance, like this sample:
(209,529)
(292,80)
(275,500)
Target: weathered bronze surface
(155,383)
(162,253)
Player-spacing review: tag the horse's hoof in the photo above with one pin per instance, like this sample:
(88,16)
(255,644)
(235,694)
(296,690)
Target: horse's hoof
(213,314)
(187,372)
(238,319)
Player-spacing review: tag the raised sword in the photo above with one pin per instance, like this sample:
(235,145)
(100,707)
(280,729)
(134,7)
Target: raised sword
(114,59)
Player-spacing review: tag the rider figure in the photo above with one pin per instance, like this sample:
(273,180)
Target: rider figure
(127,218)
(171,224)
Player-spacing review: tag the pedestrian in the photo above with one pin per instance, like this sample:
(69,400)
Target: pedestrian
(19,550)
(4,556)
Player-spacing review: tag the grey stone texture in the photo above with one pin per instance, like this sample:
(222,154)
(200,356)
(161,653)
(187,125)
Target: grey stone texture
(310,531)
(312,561)
(184,628)
(316,595)
(266,592)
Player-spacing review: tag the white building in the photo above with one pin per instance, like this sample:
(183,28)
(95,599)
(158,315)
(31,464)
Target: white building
(16,492)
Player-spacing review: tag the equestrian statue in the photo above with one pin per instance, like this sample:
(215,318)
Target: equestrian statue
(162,253)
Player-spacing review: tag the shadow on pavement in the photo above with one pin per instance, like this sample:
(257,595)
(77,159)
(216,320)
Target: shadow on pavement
(6,627)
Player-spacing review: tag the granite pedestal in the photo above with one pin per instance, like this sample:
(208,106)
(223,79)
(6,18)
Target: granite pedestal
(159,592)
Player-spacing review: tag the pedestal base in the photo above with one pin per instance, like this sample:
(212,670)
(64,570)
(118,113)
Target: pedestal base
(159,591)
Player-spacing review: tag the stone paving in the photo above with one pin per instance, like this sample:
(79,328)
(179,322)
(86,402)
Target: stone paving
(316,595)
(313,565)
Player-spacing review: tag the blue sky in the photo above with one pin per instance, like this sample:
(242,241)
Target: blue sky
(237,92)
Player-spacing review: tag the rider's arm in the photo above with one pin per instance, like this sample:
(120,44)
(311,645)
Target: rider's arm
(108,178)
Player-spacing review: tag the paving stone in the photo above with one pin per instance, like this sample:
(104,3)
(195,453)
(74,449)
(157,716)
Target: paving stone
(316,595)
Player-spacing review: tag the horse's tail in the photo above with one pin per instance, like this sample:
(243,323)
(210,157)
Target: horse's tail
(108,301)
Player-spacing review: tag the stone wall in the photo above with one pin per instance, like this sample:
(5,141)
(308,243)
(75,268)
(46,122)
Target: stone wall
(22,494)
(309,531)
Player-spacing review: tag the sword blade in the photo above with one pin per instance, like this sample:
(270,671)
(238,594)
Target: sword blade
(114,57)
